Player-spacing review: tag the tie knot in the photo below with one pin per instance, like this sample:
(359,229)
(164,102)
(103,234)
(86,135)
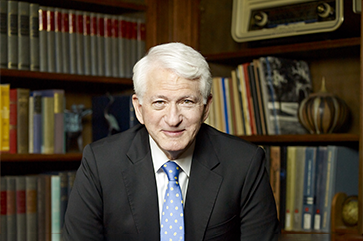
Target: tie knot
(172,170)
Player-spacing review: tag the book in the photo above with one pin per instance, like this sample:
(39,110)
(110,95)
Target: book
(100,44)
(55,207)
(290,187)
(31,208)
(3,34)
(110,115)
(94,44)
(5,117)
(72,41)
(51,39)
(342,176)
(34,36)
(309,188)
(225,106)
(47,145)
(87,43)
(245,101)
(115,46)
(237,104)
(288,83)
(108,44)
(65,42)
(43,39)
(254,99)
(23,36)
(80,42)
(320,187)
(35,125)
(141,39)
(3,206)
(20,207)
(19,116)
(299,188)
(12,34)
(133,43)
(11,207)
(122,46)
(58,37)
(44,207)
(259,97)
(128,47)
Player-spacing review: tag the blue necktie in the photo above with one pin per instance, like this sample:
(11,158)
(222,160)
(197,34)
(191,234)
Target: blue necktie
(172,218)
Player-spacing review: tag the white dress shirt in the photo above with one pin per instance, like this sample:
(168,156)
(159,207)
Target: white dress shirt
(184,162)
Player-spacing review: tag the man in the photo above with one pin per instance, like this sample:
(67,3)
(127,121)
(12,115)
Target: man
(121,185)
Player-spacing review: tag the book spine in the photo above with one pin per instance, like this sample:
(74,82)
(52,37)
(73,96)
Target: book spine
(51,39)
(299,188)
(23,36)
(94,44)
(58,35)
(48,125)
(128,48)
(115,46)
(290,186)
(133,48)
(63,196)
(41,208)
(72,42)
(80,42)
(11,208)
(245,105)
(5,117)
(31,208)
(31,125)
(13,121)
(3,34)
(59,134)
(108,45)
(87,43)
(122,45)
(3,205)
(101,44)
(225,104)
(22,121)
(34,36)
(12,34)
(55,208)
(65,42)
(141,39)
(20,208)
(43,39)
(37,123)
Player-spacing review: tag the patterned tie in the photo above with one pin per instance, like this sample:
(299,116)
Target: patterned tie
(172,219)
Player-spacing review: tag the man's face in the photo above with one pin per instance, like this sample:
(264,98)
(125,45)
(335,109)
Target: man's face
(172,110)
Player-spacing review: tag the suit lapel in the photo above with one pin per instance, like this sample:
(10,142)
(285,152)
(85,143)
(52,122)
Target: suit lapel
(203,188)
(139,178)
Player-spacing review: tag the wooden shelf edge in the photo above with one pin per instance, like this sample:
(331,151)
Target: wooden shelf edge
(309,138)
(117,3)
(280,49)
(6,157)
(64,77)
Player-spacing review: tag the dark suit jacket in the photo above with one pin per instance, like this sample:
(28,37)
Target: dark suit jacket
(114,196)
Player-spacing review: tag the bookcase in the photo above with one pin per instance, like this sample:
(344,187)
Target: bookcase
(335,56)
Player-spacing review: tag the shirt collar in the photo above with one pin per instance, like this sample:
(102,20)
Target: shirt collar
(159,157)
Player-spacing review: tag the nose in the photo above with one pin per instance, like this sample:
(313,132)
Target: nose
(173,116)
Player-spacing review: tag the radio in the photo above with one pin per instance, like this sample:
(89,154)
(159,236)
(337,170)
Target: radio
(267,19)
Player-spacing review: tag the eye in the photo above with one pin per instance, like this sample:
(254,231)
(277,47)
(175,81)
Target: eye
(188,102)
(158,103)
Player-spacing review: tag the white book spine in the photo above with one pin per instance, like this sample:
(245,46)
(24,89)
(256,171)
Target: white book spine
(51,39)
(3,34)
(34,36)
(108,45)
(80,42)
(115,46)
(23,36)
(122,46)
(65,41)
(127,48)
(133,48)
(43,39)
(87,43)
(101,44)
(141,39)
(12,34)
(93,48)
(58,40)
(31,125)
(72,42)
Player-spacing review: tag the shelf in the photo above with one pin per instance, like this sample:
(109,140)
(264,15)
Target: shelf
(304,139)
(6,157)
(307,48)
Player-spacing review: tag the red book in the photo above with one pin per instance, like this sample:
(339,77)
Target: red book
(13,121)
(250,99)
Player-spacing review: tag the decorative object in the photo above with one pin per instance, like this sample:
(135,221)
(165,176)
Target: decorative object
(350,211)
(323,112)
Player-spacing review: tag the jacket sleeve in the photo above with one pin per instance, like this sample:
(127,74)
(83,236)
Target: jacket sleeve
(83,218)
(258,209)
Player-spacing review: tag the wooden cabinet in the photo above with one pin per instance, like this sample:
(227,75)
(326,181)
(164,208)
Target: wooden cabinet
(337,57)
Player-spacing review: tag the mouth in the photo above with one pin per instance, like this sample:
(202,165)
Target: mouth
(175,133)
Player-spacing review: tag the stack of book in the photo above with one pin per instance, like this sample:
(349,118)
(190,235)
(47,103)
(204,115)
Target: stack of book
(33,206)
(261,97)
(32,121)
(48,39)
(305,179)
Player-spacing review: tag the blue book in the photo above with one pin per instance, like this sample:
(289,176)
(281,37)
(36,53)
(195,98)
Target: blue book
(342,176)
(225,105)
(309,188)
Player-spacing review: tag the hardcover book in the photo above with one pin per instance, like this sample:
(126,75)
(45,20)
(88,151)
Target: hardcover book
(72,42)
(12,34)
(3,34)
(58,15)
(43,39)
(5,117)
(23,36)
(80,42)
(51,39)
(34,36)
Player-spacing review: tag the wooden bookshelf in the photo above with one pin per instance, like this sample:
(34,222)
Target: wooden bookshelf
(5,157)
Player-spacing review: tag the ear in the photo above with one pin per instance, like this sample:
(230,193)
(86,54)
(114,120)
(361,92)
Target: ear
(138,108)
(207,107)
